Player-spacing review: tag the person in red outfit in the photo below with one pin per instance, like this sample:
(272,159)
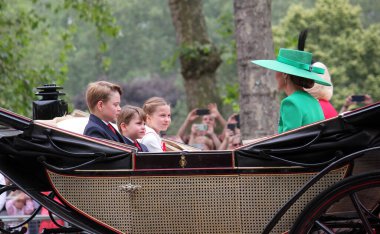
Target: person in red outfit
(323,93)
(48,224)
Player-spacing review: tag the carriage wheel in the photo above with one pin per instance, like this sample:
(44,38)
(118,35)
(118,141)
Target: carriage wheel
(360,213)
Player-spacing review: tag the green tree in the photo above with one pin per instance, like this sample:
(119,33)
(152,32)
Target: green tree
(19,29)
(220,19)
(279,8)
(146,39)
(34,52)
(338,39)
(370,11)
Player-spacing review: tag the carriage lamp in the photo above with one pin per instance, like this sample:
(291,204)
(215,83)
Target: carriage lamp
(49,106)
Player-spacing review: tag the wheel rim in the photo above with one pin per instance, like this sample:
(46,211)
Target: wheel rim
(362,218)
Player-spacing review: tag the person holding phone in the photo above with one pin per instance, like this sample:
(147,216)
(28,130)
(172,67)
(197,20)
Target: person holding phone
(233,123)
(198,137)
(214,112)
(232,138)
(353,100)
(231,133)
(294,72)
(208,117)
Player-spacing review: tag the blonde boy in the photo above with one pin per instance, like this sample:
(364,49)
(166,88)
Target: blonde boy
(103,101)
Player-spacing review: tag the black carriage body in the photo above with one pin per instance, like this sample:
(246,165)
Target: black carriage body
(107,187)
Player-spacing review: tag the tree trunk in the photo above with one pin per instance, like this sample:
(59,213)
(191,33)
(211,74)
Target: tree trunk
(259,104)
(199,58)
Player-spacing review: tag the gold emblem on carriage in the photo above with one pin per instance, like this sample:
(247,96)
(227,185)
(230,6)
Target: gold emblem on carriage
(182,161)
(129,188)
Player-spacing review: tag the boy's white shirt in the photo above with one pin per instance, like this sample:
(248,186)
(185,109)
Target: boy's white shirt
(152,140)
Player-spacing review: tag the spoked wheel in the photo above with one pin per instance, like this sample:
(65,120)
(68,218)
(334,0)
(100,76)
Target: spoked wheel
(350,206)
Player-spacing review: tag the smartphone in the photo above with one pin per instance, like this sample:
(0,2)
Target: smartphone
(202,111)
(201,127)
(231,126)
(357,98)
(237,118)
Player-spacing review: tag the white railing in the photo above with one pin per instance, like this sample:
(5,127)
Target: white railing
(20,218)
(33,225)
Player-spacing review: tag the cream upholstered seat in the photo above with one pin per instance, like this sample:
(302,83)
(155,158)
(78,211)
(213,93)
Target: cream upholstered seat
(75,122)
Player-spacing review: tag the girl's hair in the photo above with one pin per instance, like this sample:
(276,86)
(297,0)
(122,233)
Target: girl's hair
(150,105)
(100,91)
(303,82)
(127,113)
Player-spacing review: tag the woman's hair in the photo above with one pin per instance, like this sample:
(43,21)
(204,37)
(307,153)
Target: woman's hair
(127,113)
(303,82)
(100,91)
(150,105)
(321,91)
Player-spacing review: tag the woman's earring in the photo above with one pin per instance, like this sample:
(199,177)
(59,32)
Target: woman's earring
(285,78)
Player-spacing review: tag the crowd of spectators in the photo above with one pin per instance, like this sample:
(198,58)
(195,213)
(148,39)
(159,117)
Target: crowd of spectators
(200,129)
(16,203)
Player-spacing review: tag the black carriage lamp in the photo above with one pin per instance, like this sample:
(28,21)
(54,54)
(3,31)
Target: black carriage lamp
(49,106)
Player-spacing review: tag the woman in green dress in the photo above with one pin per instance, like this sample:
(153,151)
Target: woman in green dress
(294,73)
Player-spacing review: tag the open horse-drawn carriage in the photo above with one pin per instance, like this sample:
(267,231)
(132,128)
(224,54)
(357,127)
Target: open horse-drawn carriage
(322,178)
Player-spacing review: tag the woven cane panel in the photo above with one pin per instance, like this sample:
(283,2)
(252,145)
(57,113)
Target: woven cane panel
(196,204)
(181,204)
(190,204)
(100,198)
(263,195)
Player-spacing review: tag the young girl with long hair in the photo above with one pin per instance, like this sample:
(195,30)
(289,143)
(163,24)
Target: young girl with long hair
(158,118)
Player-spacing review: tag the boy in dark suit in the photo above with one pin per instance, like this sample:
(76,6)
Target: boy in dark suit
(103,101)
(131,124)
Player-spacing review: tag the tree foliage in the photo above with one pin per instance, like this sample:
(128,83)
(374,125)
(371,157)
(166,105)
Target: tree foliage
(28,58)
(146,39)
(338,39)
(74,42)
(19,29)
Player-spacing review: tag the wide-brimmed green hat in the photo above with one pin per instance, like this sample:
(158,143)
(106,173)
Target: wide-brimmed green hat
(294,62)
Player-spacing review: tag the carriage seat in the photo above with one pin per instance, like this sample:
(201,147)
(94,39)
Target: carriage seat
(75,122)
